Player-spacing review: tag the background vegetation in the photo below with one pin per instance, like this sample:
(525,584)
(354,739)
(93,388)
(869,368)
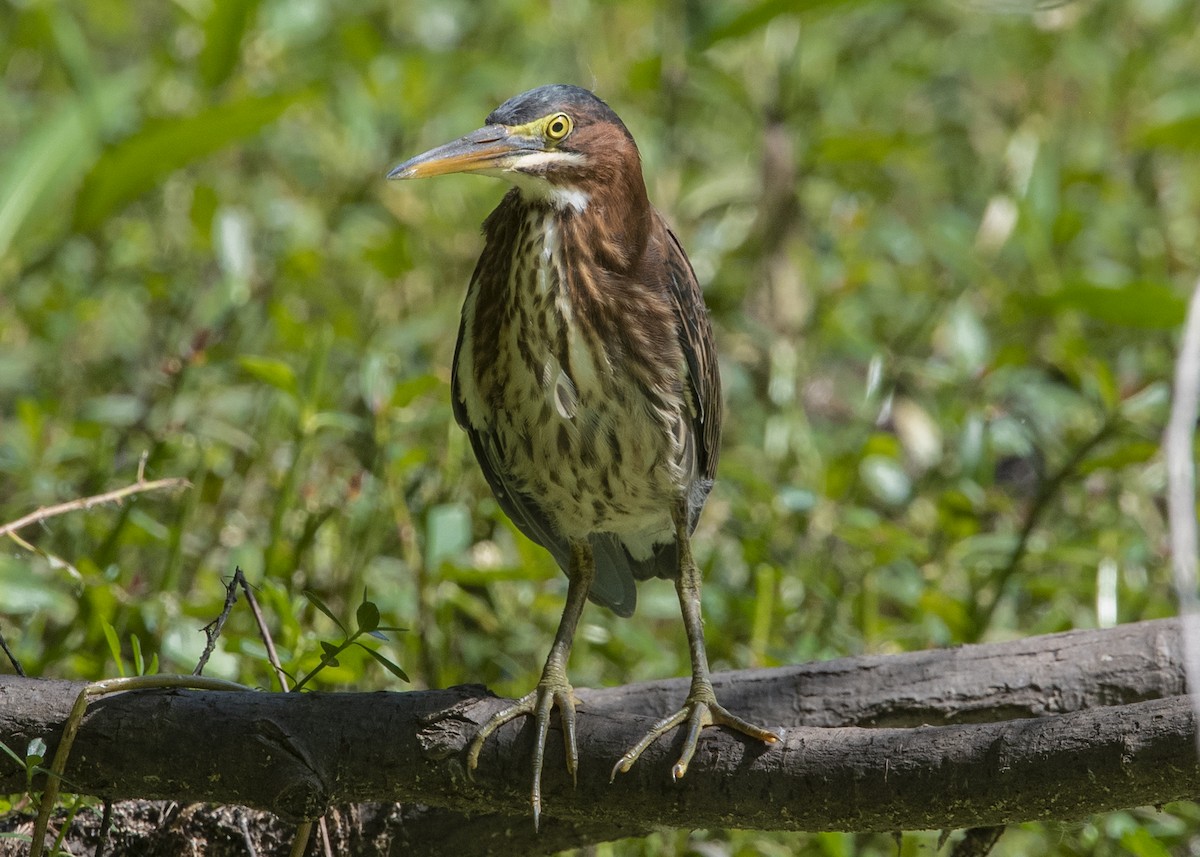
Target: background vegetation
(946,246)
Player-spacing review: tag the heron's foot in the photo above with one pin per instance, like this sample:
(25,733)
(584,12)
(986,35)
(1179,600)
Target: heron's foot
(699,710)
(552,690)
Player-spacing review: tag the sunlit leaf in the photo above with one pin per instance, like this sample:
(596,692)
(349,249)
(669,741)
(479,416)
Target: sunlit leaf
(1141,843)
(1182,133)
(405,392)
(139,665)
(1143,305)
(1133,452)
(224,29)
(337,420)
(51,156)
(760,14)
(885,478)
(270,370)
(139,162)
(114,645)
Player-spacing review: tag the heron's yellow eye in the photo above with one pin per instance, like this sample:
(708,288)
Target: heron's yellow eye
(558,126)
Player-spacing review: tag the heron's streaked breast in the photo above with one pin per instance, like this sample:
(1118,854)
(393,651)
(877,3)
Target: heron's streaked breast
(598,456)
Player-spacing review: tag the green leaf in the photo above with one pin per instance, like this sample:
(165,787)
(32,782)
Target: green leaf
(139,665)
(1182,133)
(35,754)
(316,601)
(393,668)
(367,616)
(407,391)
(224,30)
(271,370)
(759,15)
(140,162)
(1141,843)
(331,652)
(885,479)
(114,409)
(332,420)
(24,594)
(12,754)
(1132,452)
(447,532)
(114,645)
(950,610)
(51,156)
(1141,305)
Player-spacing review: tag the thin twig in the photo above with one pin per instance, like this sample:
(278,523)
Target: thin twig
(323,828)
(55,561)
(12,659)
(105,827)
(247,839)
(304,830)
(1181,492)
(263,631)
(213,629)
(1047,491)
(139,487)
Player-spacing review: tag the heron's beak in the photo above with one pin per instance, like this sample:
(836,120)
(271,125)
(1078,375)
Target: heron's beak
(493,148)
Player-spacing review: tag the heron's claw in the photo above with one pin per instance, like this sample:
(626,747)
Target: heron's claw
(699,710)
(551,691)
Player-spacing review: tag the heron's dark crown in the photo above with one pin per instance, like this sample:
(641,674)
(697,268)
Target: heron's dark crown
(583,107)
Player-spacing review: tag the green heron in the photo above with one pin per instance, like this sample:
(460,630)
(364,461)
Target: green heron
(586,377)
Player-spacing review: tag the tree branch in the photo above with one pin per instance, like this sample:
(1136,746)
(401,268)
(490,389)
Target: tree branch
(1116,732)
(84,503)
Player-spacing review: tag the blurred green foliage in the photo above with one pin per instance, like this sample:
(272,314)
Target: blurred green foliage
(947,246)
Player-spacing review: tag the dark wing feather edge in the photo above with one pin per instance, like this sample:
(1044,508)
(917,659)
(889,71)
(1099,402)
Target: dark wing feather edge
(703,372)
(703,385)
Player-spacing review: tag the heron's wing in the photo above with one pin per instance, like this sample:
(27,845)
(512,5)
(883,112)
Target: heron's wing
(703,375)
(702,384)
